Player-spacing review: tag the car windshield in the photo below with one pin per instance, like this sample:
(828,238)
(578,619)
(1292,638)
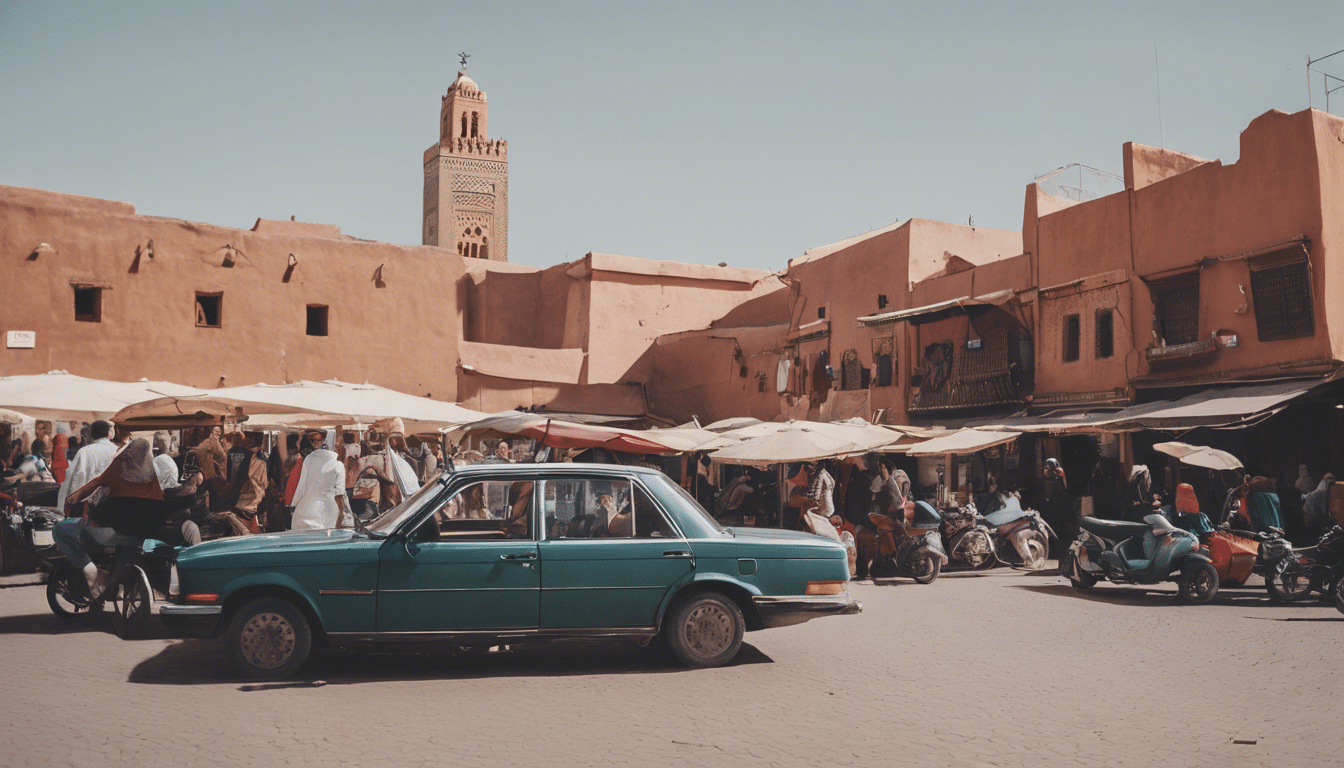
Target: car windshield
(690,500)
(387,522)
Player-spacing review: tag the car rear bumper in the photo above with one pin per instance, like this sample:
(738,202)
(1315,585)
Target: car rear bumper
(190,620)
(786,611)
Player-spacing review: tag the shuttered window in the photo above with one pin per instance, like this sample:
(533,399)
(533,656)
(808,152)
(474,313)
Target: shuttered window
(1176,309)
(1281,293)
(1072,338)
(1105,334)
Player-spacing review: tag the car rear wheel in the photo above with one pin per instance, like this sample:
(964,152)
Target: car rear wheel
(269,638)
(706,630)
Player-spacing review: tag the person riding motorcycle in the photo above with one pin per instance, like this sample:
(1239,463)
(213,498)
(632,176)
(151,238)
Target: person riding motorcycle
(132,509)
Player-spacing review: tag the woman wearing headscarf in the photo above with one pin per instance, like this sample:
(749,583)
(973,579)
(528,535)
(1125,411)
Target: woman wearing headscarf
(319,500)
(400,469)
(132,507)
(1187,514)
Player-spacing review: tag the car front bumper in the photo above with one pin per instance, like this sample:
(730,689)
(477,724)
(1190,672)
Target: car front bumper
(190,620)
(786,611)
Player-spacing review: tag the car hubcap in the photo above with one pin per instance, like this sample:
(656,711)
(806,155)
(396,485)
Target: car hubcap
(267,640)
(709,630)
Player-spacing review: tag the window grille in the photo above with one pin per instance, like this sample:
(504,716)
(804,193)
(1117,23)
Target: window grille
(1105,333)
(1176,309)
(1281,293)
(1072,338)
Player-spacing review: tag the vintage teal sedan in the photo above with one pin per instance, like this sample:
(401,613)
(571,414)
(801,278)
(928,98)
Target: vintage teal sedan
(507,553)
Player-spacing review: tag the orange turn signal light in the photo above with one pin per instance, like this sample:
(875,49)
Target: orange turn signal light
(825,587)
(205,598)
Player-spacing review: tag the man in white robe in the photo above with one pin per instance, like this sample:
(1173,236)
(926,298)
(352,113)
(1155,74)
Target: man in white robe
(89,462)
(319,502)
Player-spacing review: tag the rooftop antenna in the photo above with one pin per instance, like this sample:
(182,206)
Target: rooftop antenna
(464,56)
(1325,79)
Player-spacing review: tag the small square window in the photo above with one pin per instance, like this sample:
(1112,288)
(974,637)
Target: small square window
(1105,333)
(317,320)
(89,305)
(821,313)
(881,301)
(1072,334)
(209,310)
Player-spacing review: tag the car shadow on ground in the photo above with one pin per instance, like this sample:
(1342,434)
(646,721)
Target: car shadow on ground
(205,662)
(1146,596)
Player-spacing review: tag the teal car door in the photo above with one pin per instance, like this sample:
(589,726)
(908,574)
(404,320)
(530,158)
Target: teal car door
(609,555)
(470,565)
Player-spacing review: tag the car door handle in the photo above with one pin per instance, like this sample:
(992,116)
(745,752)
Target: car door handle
(520,556)
(676,553)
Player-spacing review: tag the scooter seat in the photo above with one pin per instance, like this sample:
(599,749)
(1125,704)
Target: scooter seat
(1112,529)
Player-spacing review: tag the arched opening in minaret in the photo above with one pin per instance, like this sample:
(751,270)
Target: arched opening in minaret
(463,134)
(475,124)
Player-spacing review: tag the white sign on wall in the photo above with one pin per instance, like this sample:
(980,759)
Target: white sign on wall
(21,339)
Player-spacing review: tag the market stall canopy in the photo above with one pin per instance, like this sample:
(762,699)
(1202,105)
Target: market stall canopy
(931,312)
(961,442)
(779,443)
(1200,456)
(737,422)
(564,434)
(61,396)
(1218,407)
(307,403)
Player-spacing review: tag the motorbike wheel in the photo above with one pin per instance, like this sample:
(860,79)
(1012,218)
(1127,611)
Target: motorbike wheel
(925,567)
(1079,578)
(131,608)
(1038,549)
(1198,584)
(1288,581)
(1339,595)
(63,596)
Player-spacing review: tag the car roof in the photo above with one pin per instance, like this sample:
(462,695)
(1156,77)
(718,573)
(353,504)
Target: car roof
(534,470)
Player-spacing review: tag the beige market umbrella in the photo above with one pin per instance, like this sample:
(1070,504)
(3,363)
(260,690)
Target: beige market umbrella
(61,396)
(13,417)
(789,444)
(1200,456)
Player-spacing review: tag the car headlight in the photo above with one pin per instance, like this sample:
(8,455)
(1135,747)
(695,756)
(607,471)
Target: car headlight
(174,586)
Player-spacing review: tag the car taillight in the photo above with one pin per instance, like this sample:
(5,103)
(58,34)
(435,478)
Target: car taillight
(174,586)
(203,598)
(825,587)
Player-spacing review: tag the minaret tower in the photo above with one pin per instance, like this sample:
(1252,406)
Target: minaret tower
(467,178)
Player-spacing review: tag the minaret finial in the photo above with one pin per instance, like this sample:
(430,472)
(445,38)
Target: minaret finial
(464,57)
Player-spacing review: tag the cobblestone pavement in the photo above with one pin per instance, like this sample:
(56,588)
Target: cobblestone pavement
(1004,669)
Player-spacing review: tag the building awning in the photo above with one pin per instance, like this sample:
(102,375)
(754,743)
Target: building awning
(931,312)
(1220,407)
(813,330)
(961,442)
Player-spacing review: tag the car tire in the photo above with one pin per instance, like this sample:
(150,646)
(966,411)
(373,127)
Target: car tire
(269,638)
(1198,584)
(705,630)
(131,608)
(63,597)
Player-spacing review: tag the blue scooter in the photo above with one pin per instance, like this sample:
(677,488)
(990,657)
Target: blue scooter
(1141,553)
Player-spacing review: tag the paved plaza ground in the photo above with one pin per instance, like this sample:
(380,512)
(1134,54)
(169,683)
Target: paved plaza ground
(989,669)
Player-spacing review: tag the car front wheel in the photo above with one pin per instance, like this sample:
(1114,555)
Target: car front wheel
(269,638)
(706,630)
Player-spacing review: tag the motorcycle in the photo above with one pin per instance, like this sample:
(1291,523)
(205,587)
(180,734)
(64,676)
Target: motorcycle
(1014,530)
(965,538)
(1141,553)
(910,547)
(25,532)
(1294,574)
(135,568)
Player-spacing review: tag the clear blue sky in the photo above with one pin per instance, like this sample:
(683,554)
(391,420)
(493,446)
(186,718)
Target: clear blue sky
(718,131)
